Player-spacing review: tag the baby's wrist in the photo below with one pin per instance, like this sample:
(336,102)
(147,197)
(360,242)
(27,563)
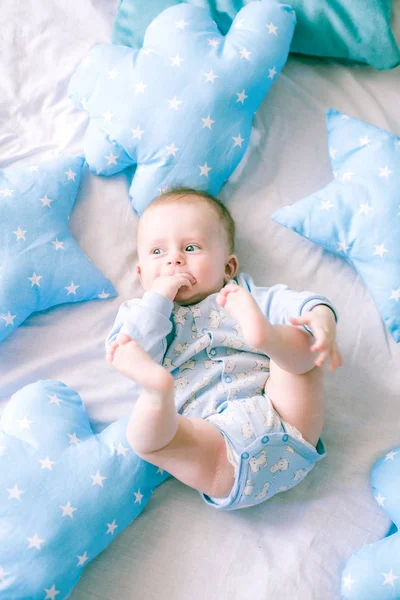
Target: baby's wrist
(324,311)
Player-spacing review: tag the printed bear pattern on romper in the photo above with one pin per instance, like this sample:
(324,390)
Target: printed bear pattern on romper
(279,467)
(205,372)
(211,364)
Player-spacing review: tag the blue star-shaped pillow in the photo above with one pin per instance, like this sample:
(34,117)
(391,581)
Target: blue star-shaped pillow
(181,107)
(41,264)
(65,493)
(373,573)
(357,215)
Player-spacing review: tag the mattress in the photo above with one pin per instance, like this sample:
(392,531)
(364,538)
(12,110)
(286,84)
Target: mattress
(295,545)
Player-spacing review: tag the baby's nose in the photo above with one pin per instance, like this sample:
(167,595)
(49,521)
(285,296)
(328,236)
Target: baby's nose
(176,260)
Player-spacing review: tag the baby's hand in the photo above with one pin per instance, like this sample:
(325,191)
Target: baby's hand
(322,323)
(121,339)
(168,285)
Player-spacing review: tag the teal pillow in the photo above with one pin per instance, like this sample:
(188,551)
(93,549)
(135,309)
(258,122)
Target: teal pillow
(357,30)
(352,29)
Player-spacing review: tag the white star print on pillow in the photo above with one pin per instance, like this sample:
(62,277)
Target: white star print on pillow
(41,264)
(181,107)
(374,570)
(357,215)
(66,493)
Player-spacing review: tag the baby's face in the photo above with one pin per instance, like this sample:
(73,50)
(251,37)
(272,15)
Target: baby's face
(184,238)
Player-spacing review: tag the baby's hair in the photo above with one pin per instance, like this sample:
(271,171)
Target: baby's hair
(188,195)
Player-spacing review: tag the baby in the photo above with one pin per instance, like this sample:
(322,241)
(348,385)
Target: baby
(243,364)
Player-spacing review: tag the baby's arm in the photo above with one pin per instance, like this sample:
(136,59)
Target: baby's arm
(279,304)
(313,312)
(322,323)
(145,320)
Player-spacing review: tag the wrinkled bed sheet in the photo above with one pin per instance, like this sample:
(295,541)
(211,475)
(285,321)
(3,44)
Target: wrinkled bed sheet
(295,546)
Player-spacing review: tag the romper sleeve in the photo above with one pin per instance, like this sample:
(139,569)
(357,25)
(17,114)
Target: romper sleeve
(147,321)
(279,303)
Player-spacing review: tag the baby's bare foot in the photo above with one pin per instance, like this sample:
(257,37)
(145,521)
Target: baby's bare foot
(240,304)
(122,338)
(129,358)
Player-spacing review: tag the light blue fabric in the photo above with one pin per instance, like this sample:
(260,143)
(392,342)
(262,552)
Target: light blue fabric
(212,365)
(357,215)
(134,16)
(156,323)
(373,573)
(181,107)
(65,492)
(41,264)
(357,30)
(271,456)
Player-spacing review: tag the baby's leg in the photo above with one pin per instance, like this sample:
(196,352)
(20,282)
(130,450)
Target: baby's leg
(295,385)
(192,450)
(298,399)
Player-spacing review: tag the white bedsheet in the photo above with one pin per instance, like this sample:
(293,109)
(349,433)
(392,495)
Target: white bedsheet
(294,546)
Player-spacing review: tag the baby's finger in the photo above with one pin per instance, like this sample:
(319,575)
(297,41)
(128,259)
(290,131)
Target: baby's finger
(321,359)
(305,320)
(320,343)
(189,277)
(336,359)
(340,363)
(321,340)
(185,283)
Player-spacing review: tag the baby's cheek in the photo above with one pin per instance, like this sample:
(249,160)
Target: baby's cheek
(149,275)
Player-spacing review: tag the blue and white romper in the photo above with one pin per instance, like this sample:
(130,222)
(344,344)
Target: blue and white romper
(220,378)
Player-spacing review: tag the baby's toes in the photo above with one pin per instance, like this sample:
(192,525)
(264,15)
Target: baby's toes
(111,351)
(230,287)
(122,339)
(224,293)
(238,299)
(221,299)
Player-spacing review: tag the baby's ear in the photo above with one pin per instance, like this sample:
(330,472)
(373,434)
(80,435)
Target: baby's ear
(231,267)
(139,273)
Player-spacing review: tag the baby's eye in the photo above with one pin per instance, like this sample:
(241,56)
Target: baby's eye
(156,251)
(191,246)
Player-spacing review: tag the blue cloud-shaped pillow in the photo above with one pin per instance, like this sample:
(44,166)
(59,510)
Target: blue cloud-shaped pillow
(66,493)
(41,264)
(357,215)
(373,573)
(181,107)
